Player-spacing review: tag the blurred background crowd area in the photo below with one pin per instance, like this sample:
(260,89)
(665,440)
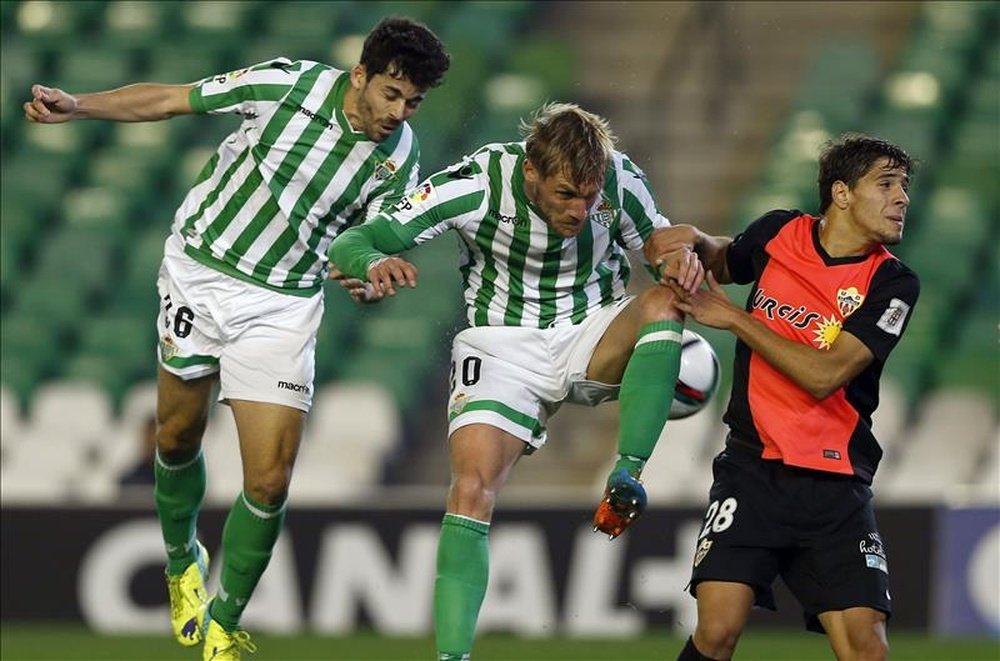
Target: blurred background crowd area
(724,104)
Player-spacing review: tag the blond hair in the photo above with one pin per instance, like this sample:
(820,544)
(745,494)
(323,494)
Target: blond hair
(563,138)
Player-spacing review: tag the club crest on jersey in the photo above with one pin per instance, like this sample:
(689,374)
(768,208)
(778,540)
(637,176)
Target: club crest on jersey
(849,300)
(703,548)
(168,349)
(604,214)
(458,404)
(385,170)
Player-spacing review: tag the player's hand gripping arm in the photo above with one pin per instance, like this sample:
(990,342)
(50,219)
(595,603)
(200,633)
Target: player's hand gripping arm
(817,371)
(142,102)
(369,252)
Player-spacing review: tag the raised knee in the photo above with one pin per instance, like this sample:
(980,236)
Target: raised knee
(269,487)
(471,495)
(876,648)
(716,640)
(658,303)
(176,442)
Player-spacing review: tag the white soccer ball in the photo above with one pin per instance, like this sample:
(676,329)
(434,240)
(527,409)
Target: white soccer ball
(698,380)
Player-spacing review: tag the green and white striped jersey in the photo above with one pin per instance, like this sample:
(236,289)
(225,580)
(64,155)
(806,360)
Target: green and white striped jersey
(295,173)
(516,270)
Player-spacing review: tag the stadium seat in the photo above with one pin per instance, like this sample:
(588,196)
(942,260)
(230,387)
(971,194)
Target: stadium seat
(67,423)
(10,415)
(122,446)
(351,432)
(98,210)
(222,457)
(91,70)
(925,472)
(137,23)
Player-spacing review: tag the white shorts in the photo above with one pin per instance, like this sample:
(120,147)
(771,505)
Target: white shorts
(514,378)
(261,342)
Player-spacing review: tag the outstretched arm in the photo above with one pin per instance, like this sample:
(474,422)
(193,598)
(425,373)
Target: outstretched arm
(819,372)
(141,102)
(367,252)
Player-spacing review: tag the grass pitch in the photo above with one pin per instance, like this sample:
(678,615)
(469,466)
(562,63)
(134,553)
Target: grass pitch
(38,643)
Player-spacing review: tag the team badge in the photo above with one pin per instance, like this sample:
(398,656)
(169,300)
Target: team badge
(703,548)
(168,349)
(457,405)
(849,300)
(605,214)
(385,170)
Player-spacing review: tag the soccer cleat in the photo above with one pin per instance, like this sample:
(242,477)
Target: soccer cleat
(187,595)
(624,500)
(222,645)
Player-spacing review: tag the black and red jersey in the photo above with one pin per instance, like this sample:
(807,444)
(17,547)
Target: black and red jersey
(803,294)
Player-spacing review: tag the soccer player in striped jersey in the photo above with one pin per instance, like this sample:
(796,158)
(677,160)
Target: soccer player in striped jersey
(318,149)
(791,494)
(543,225)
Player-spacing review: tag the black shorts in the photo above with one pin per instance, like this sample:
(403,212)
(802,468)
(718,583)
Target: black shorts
(817,530)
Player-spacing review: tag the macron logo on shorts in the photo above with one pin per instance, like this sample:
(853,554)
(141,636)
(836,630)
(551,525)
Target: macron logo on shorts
(294,387)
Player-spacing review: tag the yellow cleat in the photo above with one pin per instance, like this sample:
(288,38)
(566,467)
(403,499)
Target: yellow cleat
(187,595)
(222,645)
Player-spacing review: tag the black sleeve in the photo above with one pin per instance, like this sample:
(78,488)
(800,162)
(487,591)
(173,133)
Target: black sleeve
(740,258)
(887,309)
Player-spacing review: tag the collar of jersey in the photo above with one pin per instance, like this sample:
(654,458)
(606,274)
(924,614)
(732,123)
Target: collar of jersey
(339,90)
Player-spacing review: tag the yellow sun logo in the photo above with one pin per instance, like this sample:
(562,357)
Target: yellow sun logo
(827,331)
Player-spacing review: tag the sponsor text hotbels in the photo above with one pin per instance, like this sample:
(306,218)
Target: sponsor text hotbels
(297,387)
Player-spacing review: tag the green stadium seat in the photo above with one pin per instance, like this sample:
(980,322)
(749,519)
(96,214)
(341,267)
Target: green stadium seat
(57,24)
(396,371)
(22,375)
(86,70)
(84,259)
(136,294)
(55,298)
(102,371)
(306,23)
(139,23)
(549,60)
(427,11)
(185,62)
(128,341)
(221,23)
(99,210)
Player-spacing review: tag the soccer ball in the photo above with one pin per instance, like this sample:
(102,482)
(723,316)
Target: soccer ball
(699,376)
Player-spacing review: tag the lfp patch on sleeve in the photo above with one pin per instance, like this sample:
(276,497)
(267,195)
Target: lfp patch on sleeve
(894,316)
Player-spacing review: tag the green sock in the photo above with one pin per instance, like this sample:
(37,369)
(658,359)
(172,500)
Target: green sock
(248,538)
(647,392)
(178,494)
(463,567)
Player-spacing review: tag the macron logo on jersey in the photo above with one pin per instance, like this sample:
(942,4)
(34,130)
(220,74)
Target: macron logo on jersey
(294,387)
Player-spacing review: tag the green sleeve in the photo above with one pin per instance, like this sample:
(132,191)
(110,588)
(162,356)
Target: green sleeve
(359,246)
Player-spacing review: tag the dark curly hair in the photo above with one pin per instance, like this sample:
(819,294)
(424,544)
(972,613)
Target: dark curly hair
(848,157)
(405,48)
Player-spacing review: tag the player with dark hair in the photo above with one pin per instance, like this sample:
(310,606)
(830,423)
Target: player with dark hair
(543,225)
(318,149)
(791,495)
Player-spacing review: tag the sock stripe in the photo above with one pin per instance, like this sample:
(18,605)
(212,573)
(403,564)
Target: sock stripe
(258,511)
(466,522)
(177,467)
(660,336)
